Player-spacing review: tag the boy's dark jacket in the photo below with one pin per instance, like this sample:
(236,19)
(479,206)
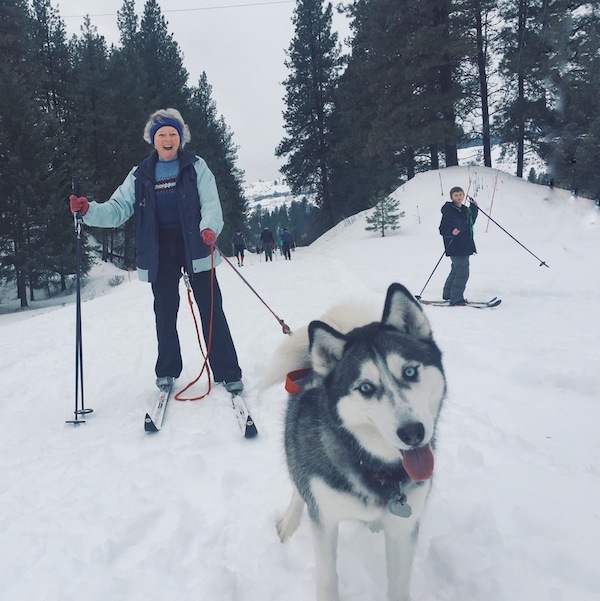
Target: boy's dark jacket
(461,218)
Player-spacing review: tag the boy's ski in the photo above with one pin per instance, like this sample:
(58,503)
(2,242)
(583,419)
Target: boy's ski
(493,302)
(152,423)
(245,421)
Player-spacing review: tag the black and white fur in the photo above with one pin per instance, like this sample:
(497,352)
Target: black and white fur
(374,394)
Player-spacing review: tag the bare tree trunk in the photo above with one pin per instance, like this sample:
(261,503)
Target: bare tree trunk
(434,156)
(483,86)
(521,92)
(22,288)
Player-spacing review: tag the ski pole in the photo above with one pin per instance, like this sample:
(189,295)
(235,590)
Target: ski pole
(78,220)
(509,234)
(418,296)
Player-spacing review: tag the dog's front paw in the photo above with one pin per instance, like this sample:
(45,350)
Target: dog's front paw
(286,526)
(290,521)
(281,531)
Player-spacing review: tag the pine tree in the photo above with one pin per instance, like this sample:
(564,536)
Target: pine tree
(526,51)
(483,13)
(401,96)
(313,62)
(50,46)
(127,22)
(365,155)
(570,143)
(162,60)
(131,107)
(24,169)
(55,251)
(213,141)
(385,216)
(91,124)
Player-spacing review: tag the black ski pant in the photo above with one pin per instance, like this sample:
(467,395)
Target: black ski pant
(222,355)
(238,251)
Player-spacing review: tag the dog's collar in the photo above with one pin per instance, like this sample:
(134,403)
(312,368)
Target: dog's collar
(383,476)
(388,484)
(292,379)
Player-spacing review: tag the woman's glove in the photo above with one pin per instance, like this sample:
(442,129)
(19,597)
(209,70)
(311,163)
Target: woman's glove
(208,236)
(79,204)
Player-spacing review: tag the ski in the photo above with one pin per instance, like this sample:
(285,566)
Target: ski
(152,423)
(245,421)
(493,302)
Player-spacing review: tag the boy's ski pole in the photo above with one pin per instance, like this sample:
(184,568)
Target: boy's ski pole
(418,296)
(542,263)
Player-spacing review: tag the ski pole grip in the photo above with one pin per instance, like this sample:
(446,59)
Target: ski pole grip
(75,188)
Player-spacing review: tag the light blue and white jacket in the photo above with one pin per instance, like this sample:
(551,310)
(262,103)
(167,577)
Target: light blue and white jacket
(198,205)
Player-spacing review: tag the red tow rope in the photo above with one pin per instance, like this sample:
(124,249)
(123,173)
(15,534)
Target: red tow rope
(285,328)
(178,396)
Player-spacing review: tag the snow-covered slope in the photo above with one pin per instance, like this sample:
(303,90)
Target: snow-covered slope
(105,512)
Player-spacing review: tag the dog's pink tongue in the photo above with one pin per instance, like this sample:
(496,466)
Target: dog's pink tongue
(418,463)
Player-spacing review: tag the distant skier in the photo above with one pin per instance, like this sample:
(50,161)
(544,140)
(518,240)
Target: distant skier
(286,243)
(456,228)
(268,243)
(239,244)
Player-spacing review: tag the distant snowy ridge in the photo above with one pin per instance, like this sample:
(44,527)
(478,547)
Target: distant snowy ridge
(271,194)
(275,193)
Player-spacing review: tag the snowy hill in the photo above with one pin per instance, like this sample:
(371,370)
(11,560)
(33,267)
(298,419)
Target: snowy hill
(106,512)
(269,194)
(272,194)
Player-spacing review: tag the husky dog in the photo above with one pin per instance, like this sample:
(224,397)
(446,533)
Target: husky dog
(359,436)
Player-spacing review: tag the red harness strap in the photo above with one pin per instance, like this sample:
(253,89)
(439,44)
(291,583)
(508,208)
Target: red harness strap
(293,377)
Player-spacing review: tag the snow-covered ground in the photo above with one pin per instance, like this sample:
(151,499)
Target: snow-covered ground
(105,512)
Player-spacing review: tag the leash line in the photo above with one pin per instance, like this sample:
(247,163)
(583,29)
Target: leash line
(186,277)
(284,327)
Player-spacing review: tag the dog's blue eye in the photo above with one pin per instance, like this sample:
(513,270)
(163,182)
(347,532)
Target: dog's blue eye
(410,373)
(366,389)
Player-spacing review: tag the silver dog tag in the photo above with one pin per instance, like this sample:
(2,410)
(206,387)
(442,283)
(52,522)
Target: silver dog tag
(398,505)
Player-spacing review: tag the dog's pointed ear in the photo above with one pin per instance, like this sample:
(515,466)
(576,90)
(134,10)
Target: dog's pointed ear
(403,312)
(326,347)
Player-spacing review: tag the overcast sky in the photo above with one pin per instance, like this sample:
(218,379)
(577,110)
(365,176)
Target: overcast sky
(241,45)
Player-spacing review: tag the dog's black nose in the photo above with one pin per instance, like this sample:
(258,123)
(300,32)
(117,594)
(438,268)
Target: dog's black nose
(412,434)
